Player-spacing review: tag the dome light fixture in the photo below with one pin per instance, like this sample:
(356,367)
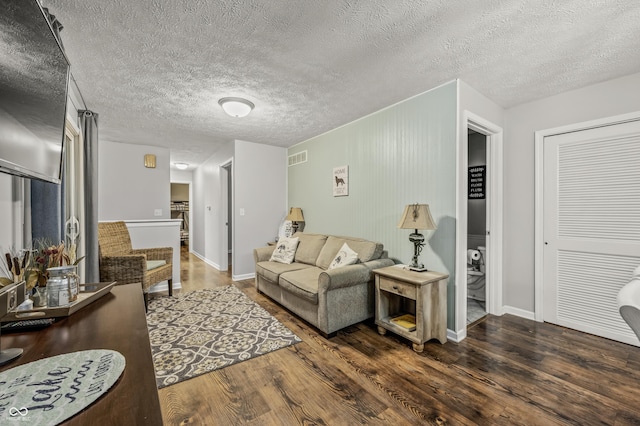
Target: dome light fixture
(236,107)
(181,166)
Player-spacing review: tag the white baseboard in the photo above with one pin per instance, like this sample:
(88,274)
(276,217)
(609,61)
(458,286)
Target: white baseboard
(456,337)
(205,260)
(243,277)
(164,286)
(215,265)
(519,312)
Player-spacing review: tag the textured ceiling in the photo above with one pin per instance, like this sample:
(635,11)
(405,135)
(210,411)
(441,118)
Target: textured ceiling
(154,70)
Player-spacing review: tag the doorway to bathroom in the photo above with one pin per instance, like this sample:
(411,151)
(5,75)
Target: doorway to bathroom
(476,226)
(487,181)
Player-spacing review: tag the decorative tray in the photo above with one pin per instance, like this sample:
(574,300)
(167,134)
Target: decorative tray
(89,293)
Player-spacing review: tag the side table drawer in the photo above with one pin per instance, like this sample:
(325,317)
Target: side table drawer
(398,287)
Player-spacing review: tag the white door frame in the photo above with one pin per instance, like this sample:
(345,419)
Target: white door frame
(494,220)
(189,183)
(225,198)
(539,193)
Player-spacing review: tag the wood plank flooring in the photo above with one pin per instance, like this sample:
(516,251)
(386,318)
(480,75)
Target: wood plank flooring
(508,371)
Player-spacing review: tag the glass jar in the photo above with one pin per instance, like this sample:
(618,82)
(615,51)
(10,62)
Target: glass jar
(62,286)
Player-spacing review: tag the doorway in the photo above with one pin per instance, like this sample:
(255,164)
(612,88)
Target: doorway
(180,197)
(476,226)
(226,190)
(588,243)
(492,135)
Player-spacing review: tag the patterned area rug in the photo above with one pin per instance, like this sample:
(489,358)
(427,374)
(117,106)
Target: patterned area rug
(205,330)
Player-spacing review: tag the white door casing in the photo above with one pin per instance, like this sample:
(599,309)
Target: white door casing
(588,224)
(494,195)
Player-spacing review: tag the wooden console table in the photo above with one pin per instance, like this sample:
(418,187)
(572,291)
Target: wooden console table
(423,294)
(116,321)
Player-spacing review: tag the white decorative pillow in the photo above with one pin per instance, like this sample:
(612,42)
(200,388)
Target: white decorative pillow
(344,257)
(285,250)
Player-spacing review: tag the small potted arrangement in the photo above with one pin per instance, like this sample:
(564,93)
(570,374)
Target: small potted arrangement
(54,268)
(47,263)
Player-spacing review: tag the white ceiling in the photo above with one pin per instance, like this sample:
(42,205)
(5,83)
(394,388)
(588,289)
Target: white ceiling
(155,70)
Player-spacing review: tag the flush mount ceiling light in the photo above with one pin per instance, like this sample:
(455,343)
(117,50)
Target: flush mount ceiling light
(181,166)
(236,107)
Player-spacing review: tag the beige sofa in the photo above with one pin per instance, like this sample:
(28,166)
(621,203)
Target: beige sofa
(329,299)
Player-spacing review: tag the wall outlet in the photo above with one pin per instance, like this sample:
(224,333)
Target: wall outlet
(241,212)
(157,212)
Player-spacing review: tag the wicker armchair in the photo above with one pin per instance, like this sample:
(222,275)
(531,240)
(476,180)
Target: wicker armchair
(124,264)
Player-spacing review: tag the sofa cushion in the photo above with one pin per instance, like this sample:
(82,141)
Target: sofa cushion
(285,250)
(303,283)
(344,257)
(367,250)
(309,247)
(272,270)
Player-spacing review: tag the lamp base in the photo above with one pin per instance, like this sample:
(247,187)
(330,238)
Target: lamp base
(418,268)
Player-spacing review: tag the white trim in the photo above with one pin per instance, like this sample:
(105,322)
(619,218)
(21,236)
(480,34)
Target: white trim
(540,135)
(205,260)
(137,223)
(190,215)
(457,337)
(519,312)
(494,215)
(243,277)
(72,126)
(225,198)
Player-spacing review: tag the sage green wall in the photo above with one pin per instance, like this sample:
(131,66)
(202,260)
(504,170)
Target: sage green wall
(401,155)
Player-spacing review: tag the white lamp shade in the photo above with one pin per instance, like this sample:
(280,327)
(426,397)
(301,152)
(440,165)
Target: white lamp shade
(236,107)
(181,166)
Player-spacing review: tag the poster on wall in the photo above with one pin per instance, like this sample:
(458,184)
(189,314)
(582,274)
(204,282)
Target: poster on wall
(476,182)
(340,181)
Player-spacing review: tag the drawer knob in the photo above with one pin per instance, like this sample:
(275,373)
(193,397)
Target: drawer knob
(395,287)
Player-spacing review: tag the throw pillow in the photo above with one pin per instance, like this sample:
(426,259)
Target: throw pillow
(285,250)
(344,257)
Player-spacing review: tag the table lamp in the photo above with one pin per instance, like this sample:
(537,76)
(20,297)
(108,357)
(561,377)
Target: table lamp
(295,216)
(416,216)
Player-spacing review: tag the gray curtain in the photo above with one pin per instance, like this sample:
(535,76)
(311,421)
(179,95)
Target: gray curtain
(89,126)
(46,211)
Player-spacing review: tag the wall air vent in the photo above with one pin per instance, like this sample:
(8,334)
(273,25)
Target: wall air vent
(297,158)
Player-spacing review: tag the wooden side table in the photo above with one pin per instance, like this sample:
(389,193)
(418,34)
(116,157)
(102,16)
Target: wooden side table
(423,294)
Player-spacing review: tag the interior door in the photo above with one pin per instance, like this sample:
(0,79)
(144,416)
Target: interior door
(591,227)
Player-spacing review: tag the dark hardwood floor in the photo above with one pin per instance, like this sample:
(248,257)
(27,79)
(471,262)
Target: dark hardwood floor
(508,371)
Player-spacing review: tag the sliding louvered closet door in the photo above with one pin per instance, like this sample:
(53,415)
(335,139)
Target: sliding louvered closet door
(591,226)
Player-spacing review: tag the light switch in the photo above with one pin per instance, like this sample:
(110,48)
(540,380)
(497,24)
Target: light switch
(157,212)
(241,212)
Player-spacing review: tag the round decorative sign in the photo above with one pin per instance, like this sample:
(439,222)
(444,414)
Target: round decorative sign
(51,390)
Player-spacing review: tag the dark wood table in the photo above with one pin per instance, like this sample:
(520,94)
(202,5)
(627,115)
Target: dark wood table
(116,321)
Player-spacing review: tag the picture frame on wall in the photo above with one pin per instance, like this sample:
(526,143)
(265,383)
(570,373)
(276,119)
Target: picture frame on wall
(340,181)
(476,182)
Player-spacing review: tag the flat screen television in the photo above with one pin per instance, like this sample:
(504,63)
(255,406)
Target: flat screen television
(34,79)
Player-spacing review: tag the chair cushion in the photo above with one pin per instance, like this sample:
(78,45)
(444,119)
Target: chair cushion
(153,264)
(303,283)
